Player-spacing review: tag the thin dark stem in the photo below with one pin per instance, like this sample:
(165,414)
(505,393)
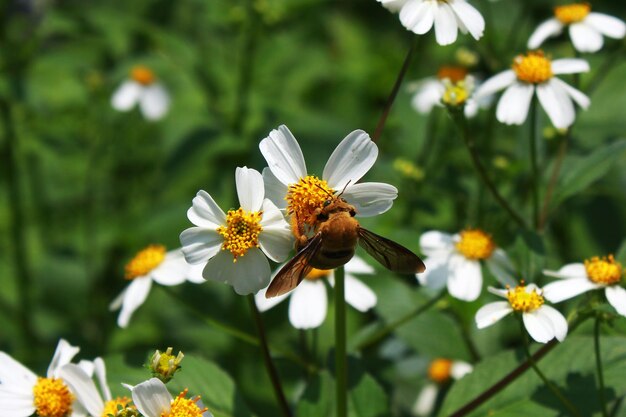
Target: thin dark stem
(558,163)
(267,359)
(601,390)
(394,92)
(467,337)
(341,365)
(534,170)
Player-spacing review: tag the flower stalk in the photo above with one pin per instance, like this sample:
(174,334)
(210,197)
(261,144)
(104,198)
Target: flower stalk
(341,368)
(534,170)
(600,373)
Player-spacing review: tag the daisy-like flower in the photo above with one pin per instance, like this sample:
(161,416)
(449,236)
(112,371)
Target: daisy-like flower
(535,72)
(455,261)
(309,301)
(290,187)
(152,264)
(154,400)
(23,393)
(542,322)
(585,27)
(440,373)
(595,273)
(447,16)
(234,246)
(142,88)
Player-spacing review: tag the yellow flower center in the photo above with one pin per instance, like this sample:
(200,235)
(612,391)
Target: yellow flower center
(572,13)
(316,274)
(524,301)
(604,270)
(533,67)
(52,398)
(142,75)
(456,93)
(114,406)
(164,365)
(241,232)
(439,370)
(454,74)
(307,195)
(475,244)
(184,407)
(145,261)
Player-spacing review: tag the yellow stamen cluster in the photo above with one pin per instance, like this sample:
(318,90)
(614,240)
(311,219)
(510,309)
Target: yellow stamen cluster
(184,407)
(114,406)
(605,270)
(522,300)
(572,13)
(454,74)
(533,67)
(439,370)
(142,75)
(456,93)
(241,232)
(475,244)
(145,261)
(52,398)
(307,195)
(164,365)
(316,274)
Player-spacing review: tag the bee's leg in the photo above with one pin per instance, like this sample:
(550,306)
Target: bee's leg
(297,228)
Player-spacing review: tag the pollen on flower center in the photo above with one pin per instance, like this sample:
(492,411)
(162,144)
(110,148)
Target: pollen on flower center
(454,74)
(145,261)
(307,195)
(439,370)
(142,75)
(112,407)
(184,407)
(604,270)
(572,13)
(316,274)
(533,67)
(456,93)
(241,232)
(475,244)
(524,301)
(52,398)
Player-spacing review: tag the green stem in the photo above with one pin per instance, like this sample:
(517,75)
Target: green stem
(534,170)
(557,393)
(267,359)
(341,368)
(558,163)
(601,390)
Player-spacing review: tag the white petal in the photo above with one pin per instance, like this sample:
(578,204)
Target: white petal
(12,405)
(134,296)
(436,274)
(574,270)
(276,239)
(308,305)
(496,83)
(83,387)
(428,95)
(204,212)
(466,279)
(471,108)
(358,295)
(249,274)
(471,19)
(607,25)
(195,274)
(283,155)
(556,103)
(616,296)
(250,188)
(154,102)
(498,291)
(564,289)
(264,304)
(513,105)
(578,96)
(117,301)
(275,190)
(426,399)
(62,355)
(101,376)
(352,158)
(434,243)
(151,398)
(491,313)
(418,16)
(370,198)
(13,373)
(501,267)
(585,38)
(459,369)
(539,326)
(393,5)
(357,265)
(126,96)
(559,324)
(200,244)
(172,271)
(569,66)
(446,28)
(549,28)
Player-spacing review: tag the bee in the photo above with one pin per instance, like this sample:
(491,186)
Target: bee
(336,234)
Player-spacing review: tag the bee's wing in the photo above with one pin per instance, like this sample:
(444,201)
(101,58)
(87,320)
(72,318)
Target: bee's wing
(295,270)
(390,254)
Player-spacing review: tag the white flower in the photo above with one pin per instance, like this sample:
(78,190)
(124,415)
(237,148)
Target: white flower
(154,400)
(542,322)
(596,273)
(22,393)
(447,16)
(440,372)
(309,301)
(534,72)
(585,28)
(152,264)
(233,246)
(142,88)
(454,261)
